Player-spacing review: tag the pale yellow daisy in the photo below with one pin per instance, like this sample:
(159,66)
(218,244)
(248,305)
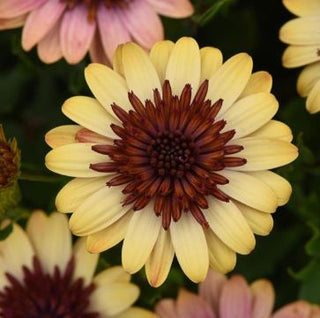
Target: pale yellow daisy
(172,157)
(303,36)
(43,275)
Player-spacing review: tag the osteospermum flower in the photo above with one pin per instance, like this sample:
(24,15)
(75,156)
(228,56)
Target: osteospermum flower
(220,297)
(172,156)
(303,37)
(42,275)
(71,28)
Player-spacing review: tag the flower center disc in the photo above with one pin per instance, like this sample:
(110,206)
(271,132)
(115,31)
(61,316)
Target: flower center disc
(170,152)
(40,295)
(8,168)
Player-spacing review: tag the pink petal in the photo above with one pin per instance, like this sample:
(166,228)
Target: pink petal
(165,308)
(49,49)
(40,22)
(142,22)
(210,289)
(76,33)
(298,309)
(111,29)
(173,8)
(190,305)
(315,311)
(262,298)
(96,51)
(235,299)
(13,23)
(13,8)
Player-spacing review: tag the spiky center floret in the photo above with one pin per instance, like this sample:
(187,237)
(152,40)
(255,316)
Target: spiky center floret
(8,167)
(169,153)
(94,4)
(47,296)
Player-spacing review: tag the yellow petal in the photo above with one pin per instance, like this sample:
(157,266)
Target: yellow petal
(221,257)
(117,60)
(107,86)
(303,7)
(308,78)
(62,135)
(263,153)
(250,113)
(274,129)
(263,296)
(300,55)
(115,274)
(259,82)
(230,79)
(110,236)
(141,76)
(249,190)
(227,222)
(190,247)
(74,160)
(75,192)
(134,312)
(140,238)
(261,223)
(184,66)
(313,100)
(159,263)
(159,56)
(51,239)
(89,113)
(301,31)
(211,60)
(278,184)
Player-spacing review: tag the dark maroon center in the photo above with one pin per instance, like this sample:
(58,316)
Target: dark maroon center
(170,152)
(40,295)
(8,167)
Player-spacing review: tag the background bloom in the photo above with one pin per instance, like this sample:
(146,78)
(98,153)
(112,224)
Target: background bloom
(220,297)
(71,28)
(303,37)
(42,275)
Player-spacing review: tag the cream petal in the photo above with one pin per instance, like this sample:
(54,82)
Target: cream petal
(230,79)
(249,190)
(107,86)
(6,24)
(74,160)
(262,298)
(15,252)
(211,60)
(76,191)
(221,257)
(140,239)
(308,78)
(227,222)
(278,184)
(51,239)
(134,312)
(115,274)
(120,296)
(250,113)
(159,56)
(300,55)
(302,7)
(159,262)
(89,113)
(313,100)
(259,82)
(110,236)
(274,129)
(117,62)
(141,75)
(184,66)
(297,309)
(190,247)
(62,135)
(261,223)
(264,153)
(301,31)
(98,211)
(85,263)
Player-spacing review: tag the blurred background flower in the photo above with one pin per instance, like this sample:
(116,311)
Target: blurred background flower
(43,275)
(71,28)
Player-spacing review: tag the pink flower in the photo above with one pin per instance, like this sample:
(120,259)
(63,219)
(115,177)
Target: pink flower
(220,297)
(71,28)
